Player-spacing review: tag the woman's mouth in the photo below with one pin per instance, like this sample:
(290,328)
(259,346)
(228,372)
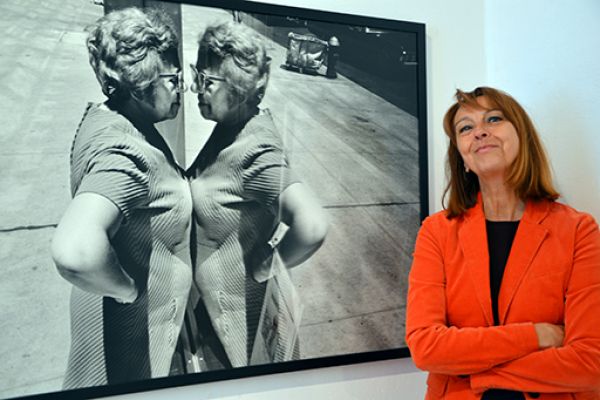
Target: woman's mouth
(484,149)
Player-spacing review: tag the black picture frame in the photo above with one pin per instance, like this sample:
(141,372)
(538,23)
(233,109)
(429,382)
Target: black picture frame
(386,60)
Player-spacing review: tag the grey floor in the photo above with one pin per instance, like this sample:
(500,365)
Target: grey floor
(355,150)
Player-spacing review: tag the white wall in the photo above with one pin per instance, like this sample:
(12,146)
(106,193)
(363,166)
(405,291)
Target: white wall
(544,53)
(374,381)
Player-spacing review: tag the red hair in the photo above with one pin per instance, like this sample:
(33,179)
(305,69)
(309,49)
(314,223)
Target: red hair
(529,175)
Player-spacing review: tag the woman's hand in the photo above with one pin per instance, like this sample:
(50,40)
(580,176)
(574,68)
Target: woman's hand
(261,259)
(131,296)
(549,335)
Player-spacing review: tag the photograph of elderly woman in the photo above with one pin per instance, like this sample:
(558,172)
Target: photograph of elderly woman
(189,188)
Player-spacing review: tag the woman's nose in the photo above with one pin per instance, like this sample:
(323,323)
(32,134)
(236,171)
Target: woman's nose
(182,88)
(194,87)
(481,132)
(199,89)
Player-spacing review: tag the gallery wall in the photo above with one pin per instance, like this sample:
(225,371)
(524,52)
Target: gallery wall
(545,53)
(542,52)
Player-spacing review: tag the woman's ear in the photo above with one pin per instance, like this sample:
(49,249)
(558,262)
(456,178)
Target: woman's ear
(110,86)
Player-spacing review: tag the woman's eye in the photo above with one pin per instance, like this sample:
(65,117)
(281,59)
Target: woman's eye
(208,82)
(464,128)
(494,118)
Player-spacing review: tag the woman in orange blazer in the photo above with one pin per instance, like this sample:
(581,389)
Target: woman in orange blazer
(504,290)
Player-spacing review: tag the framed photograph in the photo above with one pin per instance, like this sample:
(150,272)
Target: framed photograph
(344,96)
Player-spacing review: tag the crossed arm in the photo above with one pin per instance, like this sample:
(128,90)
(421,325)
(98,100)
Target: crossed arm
(574,365)
(538,357)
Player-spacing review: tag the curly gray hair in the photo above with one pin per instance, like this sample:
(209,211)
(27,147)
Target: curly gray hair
(126,48)
(242,55)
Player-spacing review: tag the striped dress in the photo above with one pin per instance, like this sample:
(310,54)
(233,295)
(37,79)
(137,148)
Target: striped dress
(236,181)
(111,342)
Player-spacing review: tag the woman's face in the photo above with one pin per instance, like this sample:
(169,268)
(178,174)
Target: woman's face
(165,100)
(486,140)
(217,100)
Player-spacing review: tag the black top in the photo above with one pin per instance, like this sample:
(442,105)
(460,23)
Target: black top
(500,235)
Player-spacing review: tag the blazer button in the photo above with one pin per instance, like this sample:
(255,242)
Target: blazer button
(534,395)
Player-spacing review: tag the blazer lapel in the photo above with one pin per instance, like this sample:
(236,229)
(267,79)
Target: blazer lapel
(475,249)
(528,239)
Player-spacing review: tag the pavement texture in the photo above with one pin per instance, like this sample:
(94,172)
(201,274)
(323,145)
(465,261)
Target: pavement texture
(45,83)
(355,150)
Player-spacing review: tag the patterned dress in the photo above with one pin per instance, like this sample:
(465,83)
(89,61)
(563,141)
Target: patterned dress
(111,342)
(236,182)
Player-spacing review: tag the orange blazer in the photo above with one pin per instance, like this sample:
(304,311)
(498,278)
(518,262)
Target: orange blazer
(552,275)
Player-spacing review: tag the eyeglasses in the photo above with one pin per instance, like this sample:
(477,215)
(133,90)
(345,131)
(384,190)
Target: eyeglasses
(176,79)
(201,79)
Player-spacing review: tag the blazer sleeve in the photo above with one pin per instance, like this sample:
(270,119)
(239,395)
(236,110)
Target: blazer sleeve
(437,347)
(575,366)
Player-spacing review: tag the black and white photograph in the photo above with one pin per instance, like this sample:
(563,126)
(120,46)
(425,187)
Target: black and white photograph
(190,190)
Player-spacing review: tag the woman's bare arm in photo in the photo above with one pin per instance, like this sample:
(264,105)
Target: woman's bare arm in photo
(82,251)
(308,224)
